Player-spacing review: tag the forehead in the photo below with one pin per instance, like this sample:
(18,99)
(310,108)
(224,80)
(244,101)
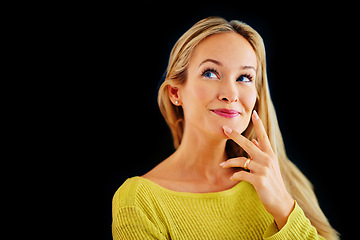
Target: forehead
(230,48)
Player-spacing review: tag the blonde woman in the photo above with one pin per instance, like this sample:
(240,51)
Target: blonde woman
(229,177)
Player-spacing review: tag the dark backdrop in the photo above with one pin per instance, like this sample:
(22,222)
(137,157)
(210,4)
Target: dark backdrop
(118,131)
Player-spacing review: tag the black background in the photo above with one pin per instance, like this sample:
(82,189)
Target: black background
(119,54)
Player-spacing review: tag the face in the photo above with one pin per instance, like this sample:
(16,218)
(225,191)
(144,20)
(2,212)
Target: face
(220,86)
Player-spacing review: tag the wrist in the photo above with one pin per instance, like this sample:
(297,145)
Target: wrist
(282,216)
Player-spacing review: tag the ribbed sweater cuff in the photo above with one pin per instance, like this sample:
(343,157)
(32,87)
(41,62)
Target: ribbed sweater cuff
(298,226)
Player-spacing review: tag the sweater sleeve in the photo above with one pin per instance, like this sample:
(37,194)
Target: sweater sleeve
(298,226)
(132,223)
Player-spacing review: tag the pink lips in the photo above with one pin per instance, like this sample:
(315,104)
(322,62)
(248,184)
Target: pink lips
(228,113)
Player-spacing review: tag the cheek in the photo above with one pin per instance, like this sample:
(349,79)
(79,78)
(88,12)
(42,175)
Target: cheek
(196,99)
(248,99)
(201,93)
(198,93)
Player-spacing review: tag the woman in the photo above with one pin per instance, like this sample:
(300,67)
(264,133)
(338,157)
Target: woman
(229,177)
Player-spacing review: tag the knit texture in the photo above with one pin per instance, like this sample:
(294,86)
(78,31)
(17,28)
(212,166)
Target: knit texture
(144,210)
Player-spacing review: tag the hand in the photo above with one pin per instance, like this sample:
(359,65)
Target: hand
(264,173)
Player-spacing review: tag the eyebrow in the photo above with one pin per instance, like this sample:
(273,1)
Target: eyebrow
(220,64)
(211,60)
(248,67)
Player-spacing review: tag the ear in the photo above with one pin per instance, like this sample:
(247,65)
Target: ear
(174,95)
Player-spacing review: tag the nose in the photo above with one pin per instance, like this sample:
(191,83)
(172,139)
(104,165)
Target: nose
(228,93)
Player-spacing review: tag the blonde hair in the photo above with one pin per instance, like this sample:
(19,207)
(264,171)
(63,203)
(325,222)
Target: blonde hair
(296,183)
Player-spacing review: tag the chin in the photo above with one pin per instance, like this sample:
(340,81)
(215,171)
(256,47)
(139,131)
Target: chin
(219,132)
(214,127)
(239,123)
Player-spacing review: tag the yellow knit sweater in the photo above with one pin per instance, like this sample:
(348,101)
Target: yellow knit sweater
(144,210)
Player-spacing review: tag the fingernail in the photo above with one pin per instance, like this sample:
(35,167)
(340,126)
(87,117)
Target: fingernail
(222,164)
(227,129)
(256,114)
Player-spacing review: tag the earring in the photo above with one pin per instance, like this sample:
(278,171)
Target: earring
(176,102)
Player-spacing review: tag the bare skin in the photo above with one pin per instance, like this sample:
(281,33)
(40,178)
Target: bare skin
(221,75)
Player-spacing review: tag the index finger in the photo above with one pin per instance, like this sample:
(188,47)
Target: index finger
(263,139)
(242,141)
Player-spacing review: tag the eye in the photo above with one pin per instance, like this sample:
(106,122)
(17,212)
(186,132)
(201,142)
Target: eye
(245,78)
(210,73)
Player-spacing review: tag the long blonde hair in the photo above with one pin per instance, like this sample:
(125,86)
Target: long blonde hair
(296,183)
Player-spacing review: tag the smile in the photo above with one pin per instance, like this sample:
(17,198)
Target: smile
(227,113)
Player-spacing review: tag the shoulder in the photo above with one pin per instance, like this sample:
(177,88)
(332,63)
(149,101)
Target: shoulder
(133,215)
(136,192)
(126,193)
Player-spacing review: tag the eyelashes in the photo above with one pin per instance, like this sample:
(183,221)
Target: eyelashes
(211,73)
(245,78)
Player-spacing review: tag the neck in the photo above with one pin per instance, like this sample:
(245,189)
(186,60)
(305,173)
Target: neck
(199,155)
